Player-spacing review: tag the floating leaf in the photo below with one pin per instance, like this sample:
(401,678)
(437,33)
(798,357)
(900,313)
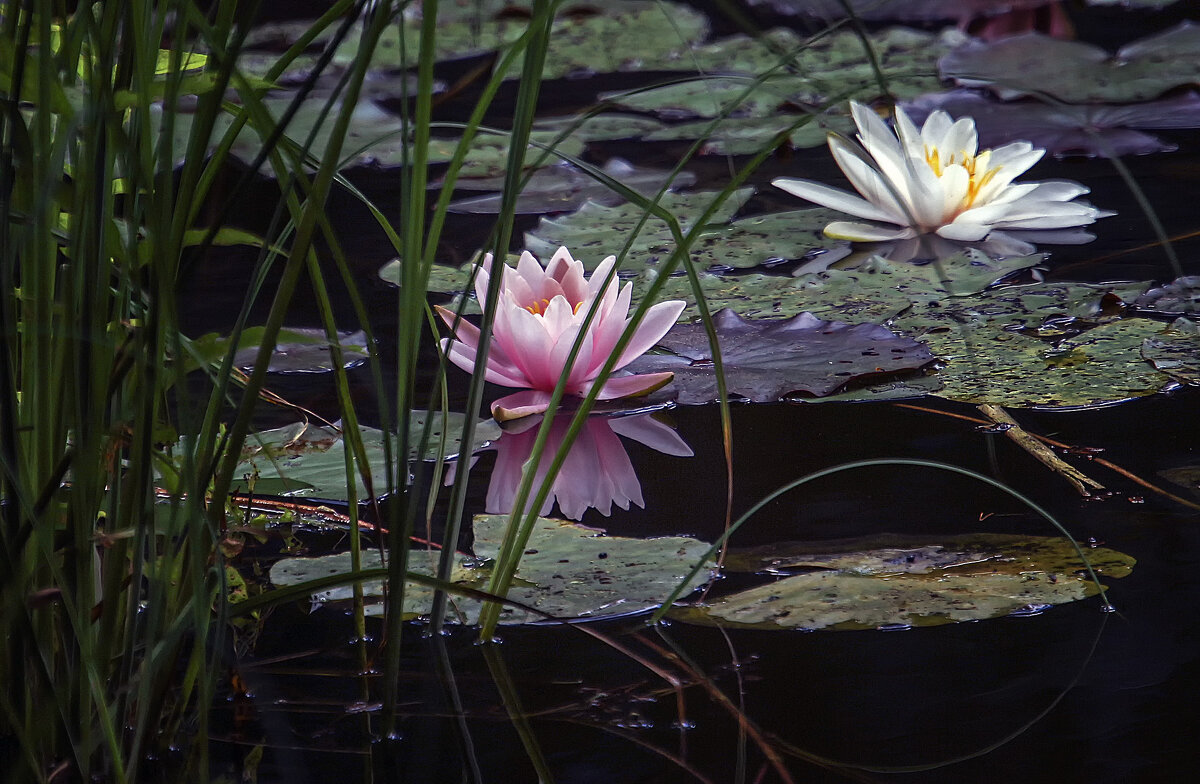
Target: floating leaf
(908,10)
(596,231)
(565,188)
(305,350)
(309,460)
(605,127)
(567,571)
(1176,351)
(871,289)
(714,96)
(1076,72)
(987,363)
(1178,298)
(1102,130)
(917,583)
(585,37)
(765,361)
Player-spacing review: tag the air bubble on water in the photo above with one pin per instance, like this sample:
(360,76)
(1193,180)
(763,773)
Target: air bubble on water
(1108,608)
(894,627)
(1030,610)
(683,725)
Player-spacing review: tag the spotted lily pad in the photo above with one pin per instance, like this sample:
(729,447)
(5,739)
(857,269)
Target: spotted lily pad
(1075,72)
(585,38)
(1176,351)
(911,582)
(871,289)
(1092,129)
(596,231)
(986,363)
(565,188)
(765,361)
(309,460)
(567,571)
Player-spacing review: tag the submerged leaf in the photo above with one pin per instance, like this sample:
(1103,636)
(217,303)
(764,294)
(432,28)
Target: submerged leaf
(765,361)
(567,571)
(909,582)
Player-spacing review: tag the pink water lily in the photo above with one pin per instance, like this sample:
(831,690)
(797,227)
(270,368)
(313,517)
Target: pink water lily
(538,318)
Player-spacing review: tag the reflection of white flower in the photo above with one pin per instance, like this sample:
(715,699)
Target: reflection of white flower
(935,180)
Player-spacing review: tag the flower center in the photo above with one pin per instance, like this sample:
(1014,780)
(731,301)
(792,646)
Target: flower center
(538,307)
(978,171)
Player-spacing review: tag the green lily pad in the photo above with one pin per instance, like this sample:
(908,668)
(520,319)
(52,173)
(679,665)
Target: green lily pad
(915,584)
(307,460)
(568,571)
(765,361)
(1176,351)
(585,37)
(1076,72)
(596,231)
(714,96)
(987,363)
(605,127)
(865,289)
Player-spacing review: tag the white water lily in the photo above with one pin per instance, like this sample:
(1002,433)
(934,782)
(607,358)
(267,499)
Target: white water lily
(934,179)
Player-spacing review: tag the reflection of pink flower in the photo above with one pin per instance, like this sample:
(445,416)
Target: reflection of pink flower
(596,472)
(538,318)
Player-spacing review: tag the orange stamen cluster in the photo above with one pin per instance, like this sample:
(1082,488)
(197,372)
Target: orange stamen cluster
(538,307)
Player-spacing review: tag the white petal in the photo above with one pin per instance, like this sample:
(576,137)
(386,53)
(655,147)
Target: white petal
(836,199)
(867,232)
(964,230)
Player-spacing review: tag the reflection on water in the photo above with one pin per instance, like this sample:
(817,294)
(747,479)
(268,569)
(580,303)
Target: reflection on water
(596,473)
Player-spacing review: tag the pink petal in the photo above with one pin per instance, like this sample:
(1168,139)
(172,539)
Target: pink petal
(633,386)
(657,322)
(521,404)
(647,430)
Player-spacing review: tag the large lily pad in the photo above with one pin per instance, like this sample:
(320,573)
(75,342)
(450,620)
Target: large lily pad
(596,231)
(310,461)
(567,571)
(871,289)
(585,37)
(765,361)
(1101,130)
(1075,72)
(917,583)
(1176,351)
(987,363)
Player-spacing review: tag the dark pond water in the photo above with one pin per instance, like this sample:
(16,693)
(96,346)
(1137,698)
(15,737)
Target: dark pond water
(1070,694)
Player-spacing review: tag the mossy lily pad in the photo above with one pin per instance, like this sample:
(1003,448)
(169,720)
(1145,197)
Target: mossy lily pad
(746,242)
(585,37)
(986,363)
(748,135)
(567,571)
(867,289)
(765,361)
(914,584)
(309,460)
(1076,72)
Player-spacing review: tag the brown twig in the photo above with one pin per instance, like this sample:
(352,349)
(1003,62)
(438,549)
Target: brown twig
(1060,445)
(1083,483)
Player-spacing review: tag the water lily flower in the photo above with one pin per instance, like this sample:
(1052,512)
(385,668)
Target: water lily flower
(935,179)
(538,318)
